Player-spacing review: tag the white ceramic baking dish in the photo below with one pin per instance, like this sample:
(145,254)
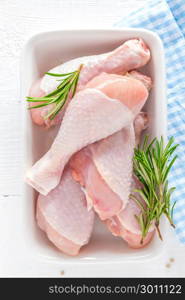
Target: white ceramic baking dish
(41,53)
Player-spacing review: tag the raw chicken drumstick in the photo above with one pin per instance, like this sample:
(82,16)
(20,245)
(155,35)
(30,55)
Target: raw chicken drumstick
(104,169)
(125,224)
(63,215)
(130,55)
(93,114)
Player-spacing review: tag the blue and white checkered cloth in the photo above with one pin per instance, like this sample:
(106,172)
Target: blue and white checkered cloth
(167,19)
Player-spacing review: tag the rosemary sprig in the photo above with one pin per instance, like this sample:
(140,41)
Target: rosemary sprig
(152,163)
(67,86)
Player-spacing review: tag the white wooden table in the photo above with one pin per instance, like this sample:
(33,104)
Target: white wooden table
(19,20)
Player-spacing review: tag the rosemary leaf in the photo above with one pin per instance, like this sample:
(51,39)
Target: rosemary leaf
(59,75)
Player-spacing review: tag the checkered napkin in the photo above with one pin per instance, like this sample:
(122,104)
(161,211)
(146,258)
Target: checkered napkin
(167,19)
